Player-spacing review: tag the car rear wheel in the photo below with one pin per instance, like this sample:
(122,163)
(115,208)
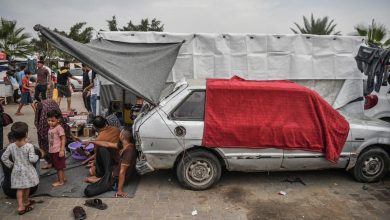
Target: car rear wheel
(371,166)
(198,170)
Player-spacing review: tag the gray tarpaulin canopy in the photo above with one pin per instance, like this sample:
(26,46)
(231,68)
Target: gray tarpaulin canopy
(141,68)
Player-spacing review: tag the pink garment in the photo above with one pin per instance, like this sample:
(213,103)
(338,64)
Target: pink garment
(55,138)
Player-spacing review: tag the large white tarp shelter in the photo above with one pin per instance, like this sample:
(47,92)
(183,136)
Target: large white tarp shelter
(323,63)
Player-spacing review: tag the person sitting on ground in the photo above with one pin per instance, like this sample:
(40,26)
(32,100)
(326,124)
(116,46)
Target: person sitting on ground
(105,157)
(57,141)
(127,152)
(23,176)
(26,96)
(112,117)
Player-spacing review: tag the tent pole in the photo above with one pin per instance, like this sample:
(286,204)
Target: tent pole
(98,98)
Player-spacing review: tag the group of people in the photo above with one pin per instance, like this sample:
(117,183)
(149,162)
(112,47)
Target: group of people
(110,164)
(42,86)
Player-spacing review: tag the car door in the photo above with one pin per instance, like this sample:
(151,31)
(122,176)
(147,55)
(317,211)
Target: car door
(190,114)
(307,160)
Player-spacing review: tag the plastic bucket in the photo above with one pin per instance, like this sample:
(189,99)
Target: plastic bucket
(74,145)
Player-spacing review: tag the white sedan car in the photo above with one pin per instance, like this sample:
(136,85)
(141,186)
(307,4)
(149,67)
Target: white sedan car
(78,73)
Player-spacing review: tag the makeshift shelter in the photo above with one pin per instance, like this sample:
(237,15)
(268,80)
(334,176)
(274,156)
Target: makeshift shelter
(143,62)
(141,68)
(325,64)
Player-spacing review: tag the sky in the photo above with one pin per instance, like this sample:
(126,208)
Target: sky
(197,16)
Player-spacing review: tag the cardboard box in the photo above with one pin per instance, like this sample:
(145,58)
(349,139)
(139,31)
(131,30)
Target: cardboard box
(74,131)
(88,132)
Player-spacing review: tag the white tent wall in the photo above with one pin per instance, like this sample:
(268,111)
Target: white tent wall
(324,63)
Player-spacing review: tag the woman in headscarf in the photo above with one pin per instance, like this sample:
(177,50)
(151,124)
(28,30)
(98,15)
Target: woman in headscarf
(42,108)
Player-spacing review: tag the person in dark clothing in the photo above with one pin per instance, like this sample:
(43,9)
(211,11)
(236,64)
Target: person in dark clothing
(128,154)
(106,158)
(87,77)
(63,86)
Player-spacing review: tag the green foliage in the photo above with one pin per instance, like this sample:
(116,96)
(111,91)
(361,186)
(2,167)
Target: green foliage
(76,33)
(112,24)
(12,39)
(145,25)
(319,26)
(375,33)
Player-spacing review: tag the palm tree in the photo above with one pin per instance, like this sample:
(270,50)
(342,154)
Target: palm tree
(321,26)
(12,39)
(374,33)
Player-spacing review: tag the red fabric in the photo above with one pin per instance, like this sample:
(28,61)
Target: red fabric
(271,114)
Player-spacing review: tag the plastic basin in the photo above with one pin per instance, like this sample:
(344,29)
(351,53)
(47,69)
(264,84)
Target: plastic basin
(74,145)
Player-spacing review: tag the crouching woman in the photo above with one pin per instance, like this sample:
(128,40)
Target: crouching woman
(125,168)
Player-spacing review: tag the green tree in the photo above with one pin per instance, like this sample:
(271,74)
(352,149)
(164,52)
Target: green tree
(13,41)
(45,48)
(112,24)
(77,32)
(375,33)
(319,26)
(145,25)
(83,36)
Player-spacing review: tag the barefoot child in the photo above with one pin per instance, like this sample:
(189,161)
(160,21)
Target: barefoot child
(26,96)
(57,140)
(23,176)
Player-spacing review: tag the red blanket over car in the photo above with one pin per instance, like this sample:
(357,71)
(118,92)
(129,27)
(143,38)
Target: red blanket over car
(271,114)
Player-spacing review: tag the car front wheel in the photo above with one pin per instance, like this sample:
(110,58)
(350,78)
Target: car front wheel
(198,170)
(371,165)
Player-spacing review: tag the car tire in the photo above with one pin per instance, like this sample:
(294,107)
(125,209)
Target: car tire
(371,166)
(198,170)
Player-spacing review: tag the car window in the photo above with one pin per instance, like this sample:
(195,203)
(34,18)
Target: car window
(192,108)
(76,72)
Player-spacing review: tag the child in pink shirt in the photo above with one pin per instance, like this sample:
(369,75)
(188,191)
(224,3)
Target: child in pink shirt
(57,140)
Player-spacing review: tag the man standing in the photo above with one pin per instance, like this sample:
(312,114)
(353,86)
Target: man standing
(62,84)
(87,76)
(94,87)
(43,78)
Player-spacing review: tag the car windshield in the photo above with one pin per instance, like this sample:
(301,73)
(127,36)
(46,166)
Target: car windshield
(169,89)
(76,72)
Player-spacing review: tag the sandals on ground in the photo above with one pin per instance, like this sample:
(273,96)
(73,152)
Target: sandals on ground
(79,213)
(26,209)
(96,203)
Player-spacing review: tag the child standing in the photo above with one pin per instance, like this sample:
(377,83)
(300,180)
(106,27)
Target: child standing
(23,176)
(26,96)
(57,140)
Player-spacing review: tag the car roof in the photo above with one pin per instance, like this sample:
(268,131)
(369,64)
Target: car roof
(196,83)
